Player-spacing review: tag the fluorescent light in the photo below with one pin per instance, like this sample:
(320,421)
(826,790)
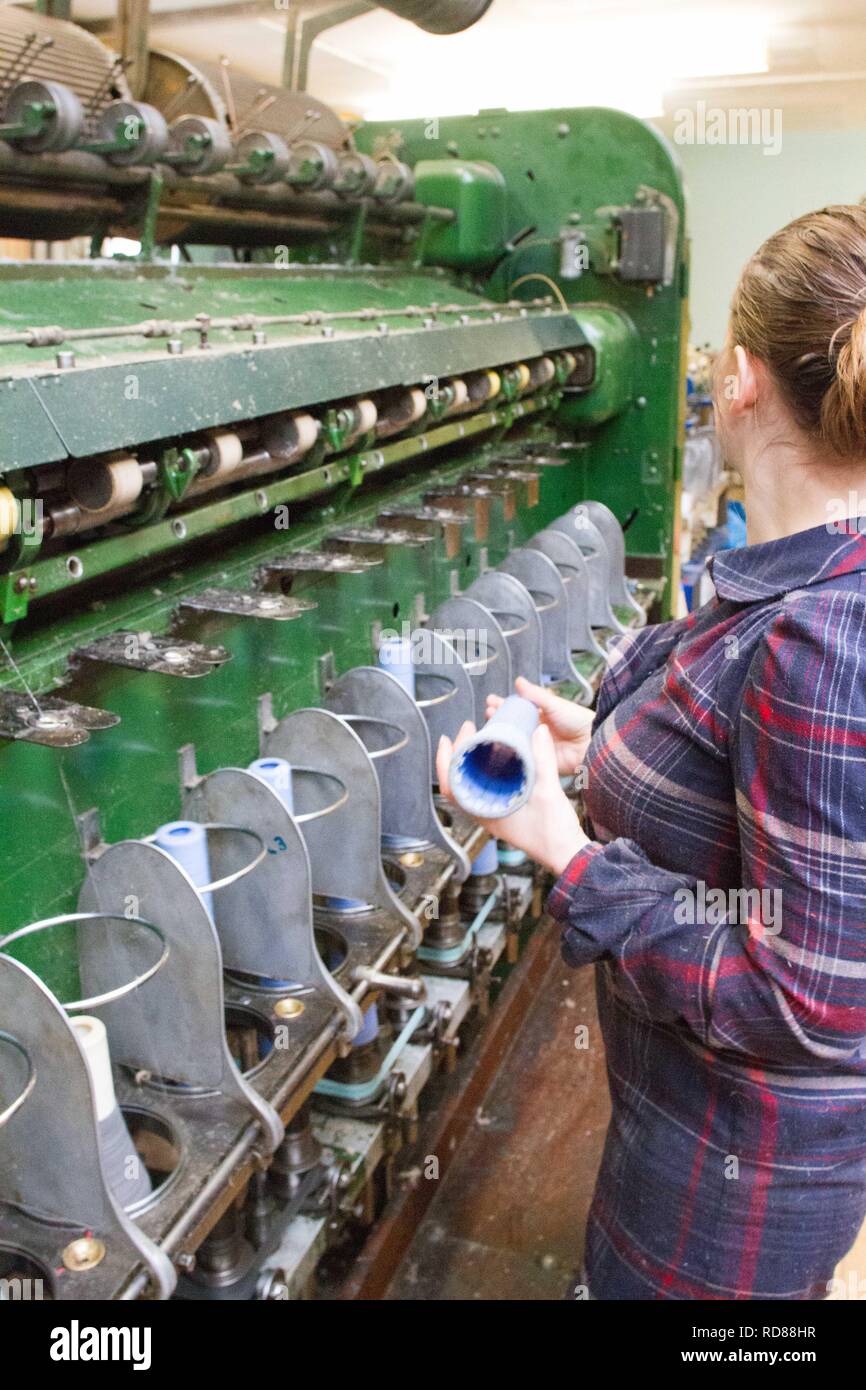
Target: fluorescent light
(627,61)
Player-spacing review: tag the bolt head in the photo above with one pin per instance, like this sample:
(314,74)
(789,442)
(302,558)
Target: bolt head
(83,1254)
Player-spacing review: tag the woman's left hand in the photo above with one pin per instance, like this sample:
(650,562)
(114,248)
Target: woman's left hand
(546,828)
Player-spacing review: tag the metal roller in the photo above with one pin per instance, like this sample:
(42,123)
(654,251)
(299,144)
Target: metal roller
(178,86)
(137,122)
(37,46)
(265,154)
(61,124)
(356,175)
(198,145)
(312,165)
(394,182)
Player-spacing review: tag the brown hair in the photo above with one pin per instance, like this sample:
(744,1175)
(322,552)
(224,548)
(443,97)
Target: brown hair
(800,307)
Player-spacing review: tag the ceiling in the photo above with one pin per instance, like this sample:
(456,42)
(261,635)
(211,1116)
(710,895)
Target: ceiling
(804,56)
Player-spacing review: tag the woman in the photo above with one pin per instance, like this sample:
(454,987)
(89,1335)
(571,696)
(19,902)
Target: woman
(729,753)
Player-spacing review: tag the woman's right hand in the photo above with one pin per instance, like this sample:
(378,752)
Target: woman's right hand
(570,724)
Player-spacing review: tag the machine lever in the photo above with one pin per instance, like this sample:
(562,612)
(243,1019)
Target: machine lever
(401,986)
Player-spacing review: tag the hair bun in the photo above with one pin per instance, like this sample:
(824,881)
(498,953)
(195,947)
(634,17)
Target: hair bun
(843,409)
(799,307)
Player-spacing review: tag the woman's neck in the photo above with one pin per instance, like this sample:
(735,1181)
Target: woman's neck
(787,491)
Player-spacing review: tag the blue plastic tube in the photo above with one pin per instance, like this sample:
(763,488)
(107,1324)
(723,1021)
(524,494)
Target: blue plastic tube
(395,656)
(278,774)
(492,774)
(186,842)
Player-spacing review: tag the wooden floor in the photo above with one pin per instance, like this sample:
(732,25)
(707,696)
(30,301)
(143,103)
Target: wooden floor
(508,1222)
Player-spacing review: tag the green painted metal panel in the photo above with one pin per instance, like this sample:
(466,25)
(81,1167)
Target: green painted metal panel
(475,192)
(564,169)
(560,169)
(130,772)
(97,408)
(613,336)
(27,431)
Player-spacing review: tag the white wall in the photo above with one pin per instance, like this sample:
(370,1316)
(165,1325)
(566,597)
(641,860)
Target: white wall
(737,196)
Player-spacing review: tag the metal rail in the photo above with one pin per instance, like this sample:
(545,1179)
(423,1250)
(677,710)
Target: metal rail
(51,335)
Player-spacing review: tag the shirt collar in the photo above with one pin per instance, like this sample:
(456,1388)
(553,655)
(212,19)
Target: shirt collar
(752,573)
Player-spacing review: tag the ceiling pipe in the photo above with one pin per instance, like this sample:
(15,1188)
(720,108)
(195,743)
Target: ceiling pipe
(439,16)
(434,16)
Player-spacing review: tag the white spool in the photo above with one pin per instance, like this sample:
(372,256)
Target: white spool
(287,440)
(105,489)
(228,452)
(495,384)
(91,1034)
(400,411)
(366,416)
(419,405)
(10,512)
(461,394)
(308,432)
(125,1173)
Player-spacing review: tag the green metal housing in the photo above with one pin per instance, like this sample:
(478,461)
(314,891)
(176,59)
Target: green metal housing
(435,290)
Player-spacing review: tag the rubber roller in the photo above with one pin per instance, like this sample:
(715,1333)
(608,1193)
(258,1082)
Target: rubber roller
(495,384)
(265,155)
(419,404)
(103,490)
(198,145)
(62,122)
(143,126)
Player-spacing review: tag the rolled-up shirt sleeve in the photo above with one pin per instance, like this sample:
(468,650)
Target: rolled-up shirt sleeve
(776,968)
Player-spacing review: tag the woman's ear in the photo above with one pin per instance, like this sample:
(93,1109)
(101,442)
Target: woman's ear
(743,393)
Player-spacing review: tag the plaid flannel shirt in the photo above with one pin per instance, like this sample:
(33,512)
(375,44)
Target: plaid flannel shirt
(724,898)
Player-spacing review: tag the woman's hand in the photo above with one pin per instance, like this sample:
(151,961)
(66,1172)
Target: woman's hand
(546,828)
(570,724)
